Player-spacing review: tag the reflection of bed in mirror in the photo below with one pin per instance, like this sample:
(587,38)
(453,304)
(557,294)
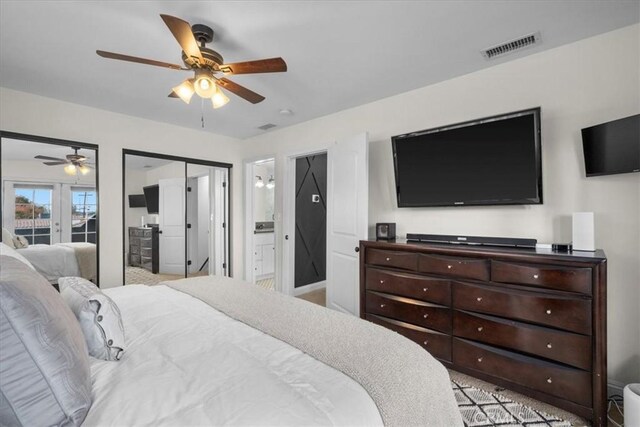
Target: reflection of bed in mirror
(62,260)
(50,204)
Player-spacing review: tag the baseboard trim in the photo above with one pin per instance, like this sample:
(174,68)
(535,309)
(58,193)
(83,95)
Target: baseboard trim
(308,288)
(615,387)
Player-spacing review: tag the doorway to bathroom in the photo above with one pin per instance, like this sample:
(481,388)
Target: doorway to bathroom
(260,190)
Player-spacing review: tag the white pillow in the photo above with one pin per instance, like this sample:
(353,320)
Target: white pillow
(99,317)
(20,242)
(10,251)
(7,238)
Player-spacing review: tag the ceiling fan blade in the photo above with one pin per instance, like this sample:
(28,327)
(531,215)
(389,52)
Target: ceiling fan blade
(173,95)
(121,57)
(241,91)
(62,162)
(50,158)
(181,30)
(271,65)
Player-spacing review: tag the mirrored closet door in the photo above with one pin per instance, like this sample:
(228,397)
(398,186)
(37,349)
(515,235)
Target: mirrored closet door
(175,214)
(50,204)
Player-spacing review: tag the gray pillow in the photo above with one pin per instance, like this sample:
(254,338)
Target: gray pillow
(99,317)
(44,365)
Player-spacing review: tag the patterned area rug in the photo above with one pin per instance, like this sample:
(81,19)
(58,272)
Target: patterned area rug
(480,408)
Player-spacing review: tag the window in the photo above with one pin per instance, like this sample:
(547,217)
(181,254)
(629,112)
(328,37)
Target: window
(83,214)
(33,213)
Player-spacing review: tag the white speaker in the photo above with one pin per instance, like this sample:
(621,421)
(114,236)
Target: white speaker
(583,232)
(632,405)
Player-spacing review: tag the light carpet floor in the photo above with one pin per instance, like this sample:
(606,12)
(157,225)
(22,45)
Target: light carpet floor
(141,276)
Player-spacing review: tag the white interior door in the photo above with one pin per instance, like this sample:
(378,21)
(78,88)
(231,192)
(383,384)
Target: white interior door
(172,225)
(347,220)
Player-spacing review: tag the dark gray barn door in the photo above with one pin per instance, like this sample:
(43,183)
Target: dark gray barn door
(311,220)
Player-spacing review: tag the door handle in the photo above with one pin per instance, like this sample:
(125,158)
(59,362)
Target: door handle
(357,249)
(286,237)
(159,231)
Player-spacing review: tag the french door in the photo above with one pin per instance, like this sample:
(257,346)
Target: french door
(49,213)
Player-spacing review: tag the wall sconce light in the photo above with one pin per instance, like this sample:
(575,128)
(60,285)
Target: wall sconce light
(271,183)
(259,182)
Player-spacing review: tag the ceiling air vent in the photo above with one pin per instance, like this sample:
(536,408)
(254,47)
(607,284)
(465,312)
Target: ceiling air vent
(510,46)
(267,126)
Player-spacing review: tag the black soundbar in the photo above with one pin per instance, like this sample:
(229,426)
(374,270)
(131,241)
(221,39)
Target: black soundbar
(472,240)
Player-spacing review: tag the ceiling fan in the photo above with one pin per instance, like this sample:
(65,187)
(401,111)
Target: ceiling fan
(74,162)
(207,65)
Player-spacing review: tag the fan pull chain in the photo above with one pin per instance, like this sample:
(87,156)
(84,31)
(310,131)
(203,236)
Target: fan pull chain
(202,111)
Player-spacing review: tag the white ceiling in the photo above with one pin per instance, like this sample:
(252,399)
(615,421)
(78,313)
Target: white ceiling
(340,54)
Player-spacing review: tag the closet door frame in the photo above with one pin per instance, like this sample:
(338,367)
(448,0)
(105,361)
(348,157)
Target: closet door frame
(186,161)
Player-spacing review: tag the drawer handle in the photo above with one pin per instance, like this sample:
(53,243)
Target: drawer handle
(381,282)
(425,315)
(425,289)
(426,342)
(382,305)
(549,345)
(549,380)
(479,299)
(388,259)
(535,276)
(479,359)
(548,312)
(449,267)
(480,328)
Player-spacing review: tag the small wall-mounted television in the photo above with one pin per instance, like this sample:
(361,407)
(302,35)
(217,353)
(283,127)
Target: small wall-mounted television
(137,201)
(490,161)
(612,147)
(152,198)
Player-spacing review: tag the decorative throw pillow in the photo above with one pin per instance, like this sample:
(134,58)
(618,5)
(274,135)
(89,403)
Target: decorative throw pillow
(7,238)
(20,242)
(99,317)
(44,365)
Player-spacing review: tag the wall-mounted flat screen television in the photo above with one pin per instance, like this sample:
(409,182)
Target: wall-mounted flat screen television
(137,201)
(490,161)
(152,197)
(612,147)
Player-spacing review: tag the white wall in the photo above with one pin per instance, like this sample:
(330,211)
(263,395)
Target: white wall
(31,114)
(577,85)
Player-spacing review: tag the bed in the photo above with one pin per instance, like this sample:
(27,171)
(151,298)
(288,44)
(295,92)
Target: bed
(219,351)
(62,260)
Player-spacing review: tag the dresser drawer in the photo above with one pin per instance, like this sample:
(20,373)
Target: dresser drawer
(134,249)
(134,241)
(557,380)
(410,310)
(566,347)
(134,260)
(470,268)
(403,260)
(439,345)
(146,252)
(555,277)
(572,314)
(145,242)
(140,232)
(409,285)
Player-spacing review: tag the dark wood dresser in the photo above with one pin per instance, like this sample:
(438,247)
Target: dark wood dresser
(529,320)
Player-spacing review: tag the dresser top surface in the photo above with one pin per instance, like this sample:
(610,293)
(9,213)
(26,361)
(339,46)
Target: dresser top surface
(461,249)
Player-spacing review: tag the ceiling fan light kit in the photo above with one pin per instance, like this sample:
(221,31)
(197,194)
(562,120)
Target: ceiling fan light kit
(206,64)
(73,163)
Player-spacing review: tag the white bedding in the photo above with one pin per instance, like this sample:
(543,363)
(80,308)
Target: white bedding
(52,261)
(186,363)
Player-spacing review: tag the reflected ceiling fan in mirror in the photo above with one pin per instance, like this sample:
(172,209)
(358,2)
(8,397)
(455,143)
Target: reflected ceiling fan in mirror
(74,163)
(206,64)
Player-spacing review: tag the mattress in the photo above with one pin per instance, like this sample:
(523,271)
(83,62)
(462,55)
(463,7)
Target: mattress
(188,364)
